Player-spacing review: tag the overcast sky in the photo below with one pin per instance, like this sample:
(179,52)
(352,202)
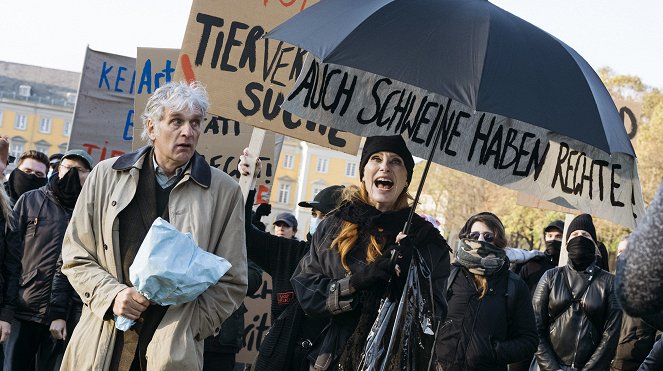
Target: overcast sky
(626,36)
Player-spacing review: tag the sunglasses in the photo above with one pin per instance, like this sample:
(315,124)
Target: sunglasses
(487,236)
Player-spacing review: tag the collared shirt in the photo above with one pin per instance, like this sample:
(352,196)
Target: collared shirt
(163,179)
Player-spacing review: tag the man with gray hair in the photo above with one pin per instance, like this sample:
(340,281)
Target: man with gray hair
(119,202)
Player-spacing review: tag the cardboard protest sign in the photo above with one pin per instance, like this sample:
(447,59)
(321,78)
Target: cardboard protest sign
(247,76)
(257,320)
(154,67)
(222,140)
(507,152)
(104,112)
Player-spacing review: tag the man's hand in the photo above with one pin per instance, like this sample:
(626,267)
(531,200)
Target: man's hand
(58,329)
(5,330)
(130,304)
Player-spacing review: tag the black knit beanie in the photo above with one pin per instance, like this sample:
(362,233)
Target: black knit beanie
(582,222)
(391,143)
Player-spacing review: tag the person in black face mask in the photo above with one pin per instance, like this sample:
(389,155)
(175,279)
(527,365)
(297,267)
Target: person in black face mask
(48,307)
(578,317)
(534,268)
(30,174)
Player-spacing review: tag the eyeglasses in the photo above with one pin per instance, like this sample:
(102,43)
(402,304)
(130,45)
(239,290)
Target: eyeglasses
(487,236)
(80,169)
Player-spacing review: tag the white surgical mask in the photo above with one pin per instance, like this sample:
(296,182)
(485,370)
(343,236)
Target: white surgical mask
(315,222)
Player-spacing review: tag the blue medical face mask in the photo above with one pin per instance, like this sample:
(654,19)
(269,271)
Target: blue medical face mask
(313,225)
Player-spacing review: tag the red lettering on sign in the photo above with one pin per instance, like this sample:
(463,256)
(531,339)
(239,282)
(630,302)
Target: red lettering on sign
(283,298)
(185,62)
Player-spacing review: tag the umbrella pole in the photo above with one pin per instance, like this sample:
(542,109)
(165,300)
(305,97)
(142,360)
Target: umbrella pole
(406,228)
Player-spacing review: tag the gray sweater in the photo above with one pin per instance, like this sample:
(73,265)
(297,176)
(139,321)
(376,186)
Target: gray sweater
(639,278)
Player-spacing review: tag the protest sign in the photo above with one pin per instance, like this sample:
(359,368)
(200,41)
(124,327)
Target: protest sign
(257,320)
(222,140)
(154,67)
(104,112)
(507,152)
(247,76)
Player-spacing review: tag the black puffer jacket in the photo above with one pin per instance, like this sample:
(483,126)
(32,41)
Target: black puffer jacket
(10,269)
(63,296)
(486,333)
(322,285)
(41,223)
(579,330)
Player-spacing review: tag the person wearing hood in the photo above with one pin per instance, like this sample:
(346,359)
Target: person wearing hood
(578,317)
(42,217)
(490,322)
(30,173)
(532,271)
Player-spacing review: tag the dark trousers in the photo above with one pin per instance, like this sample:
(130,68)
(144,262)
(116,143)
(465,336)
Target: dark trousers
(214,361)
(34,348)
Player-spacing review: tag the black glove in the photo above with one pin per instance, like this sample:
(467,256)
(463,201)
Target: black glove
(404,250)
(263,210)
(376,273)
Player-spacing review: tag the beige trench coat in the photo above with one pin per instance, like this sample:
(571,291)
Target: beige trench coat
(207,203)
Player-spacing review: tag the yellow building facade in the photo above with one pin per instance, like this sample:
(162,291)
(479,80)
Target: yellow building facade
(36,108)
(303,170)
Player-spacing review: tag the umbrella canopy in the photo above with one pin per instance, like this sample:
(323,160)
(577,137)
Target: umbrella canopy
(471,51)
(511,103)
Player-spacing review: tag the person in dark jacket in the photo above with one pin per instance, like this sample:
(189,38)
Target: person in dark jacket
(577,315)
(532,271)
(30,173)
(220,350)
(42,218)
(490,322)
(10,269)
(636,338)
(357,250)
(292,333)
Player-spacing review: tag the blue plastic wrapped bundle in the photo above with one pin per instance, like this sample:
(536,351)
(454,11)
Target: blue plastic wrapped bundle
(170,269)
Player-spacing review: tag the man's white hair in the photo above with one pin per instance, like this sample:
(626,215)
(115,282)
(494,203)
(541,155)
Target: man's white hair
(178,96)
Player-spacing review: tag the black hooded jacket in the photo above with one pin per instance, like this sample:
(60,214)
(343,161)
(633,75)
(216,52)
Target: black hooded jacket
(577,317)
(10,269)
(486,333)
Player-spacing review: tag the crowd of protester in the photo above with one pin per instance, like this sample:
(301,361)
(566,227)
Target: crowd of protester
(70,230)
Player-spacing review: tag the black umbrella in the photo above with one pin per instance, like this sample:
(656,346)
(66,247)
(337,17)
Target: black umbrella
(470,57)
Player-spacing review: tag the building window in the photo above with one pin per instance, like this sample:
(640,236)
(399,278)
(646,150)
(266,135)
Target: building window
(42,146)
(351,169)
(284,193)
(322,165)
(67,128)
(1,116)
(24,90)
(45,125)
(21,122)
(288,161)
(62,147)
(17,147)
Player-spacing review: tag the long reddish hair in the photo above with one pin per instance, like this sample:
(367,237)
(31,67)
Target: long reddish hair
(349,233)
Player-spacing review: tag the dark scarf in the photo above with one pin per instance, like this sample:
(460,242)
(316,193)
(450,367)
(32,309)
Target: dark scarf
(20,182)
(553,248)
(67,189)
(385,226)
(480,257)
(582,252)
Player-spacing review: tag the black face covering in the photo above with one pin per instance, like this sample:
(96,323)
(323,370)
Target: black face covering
(553,248)
(20,182)
(582,252)
(67,189)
